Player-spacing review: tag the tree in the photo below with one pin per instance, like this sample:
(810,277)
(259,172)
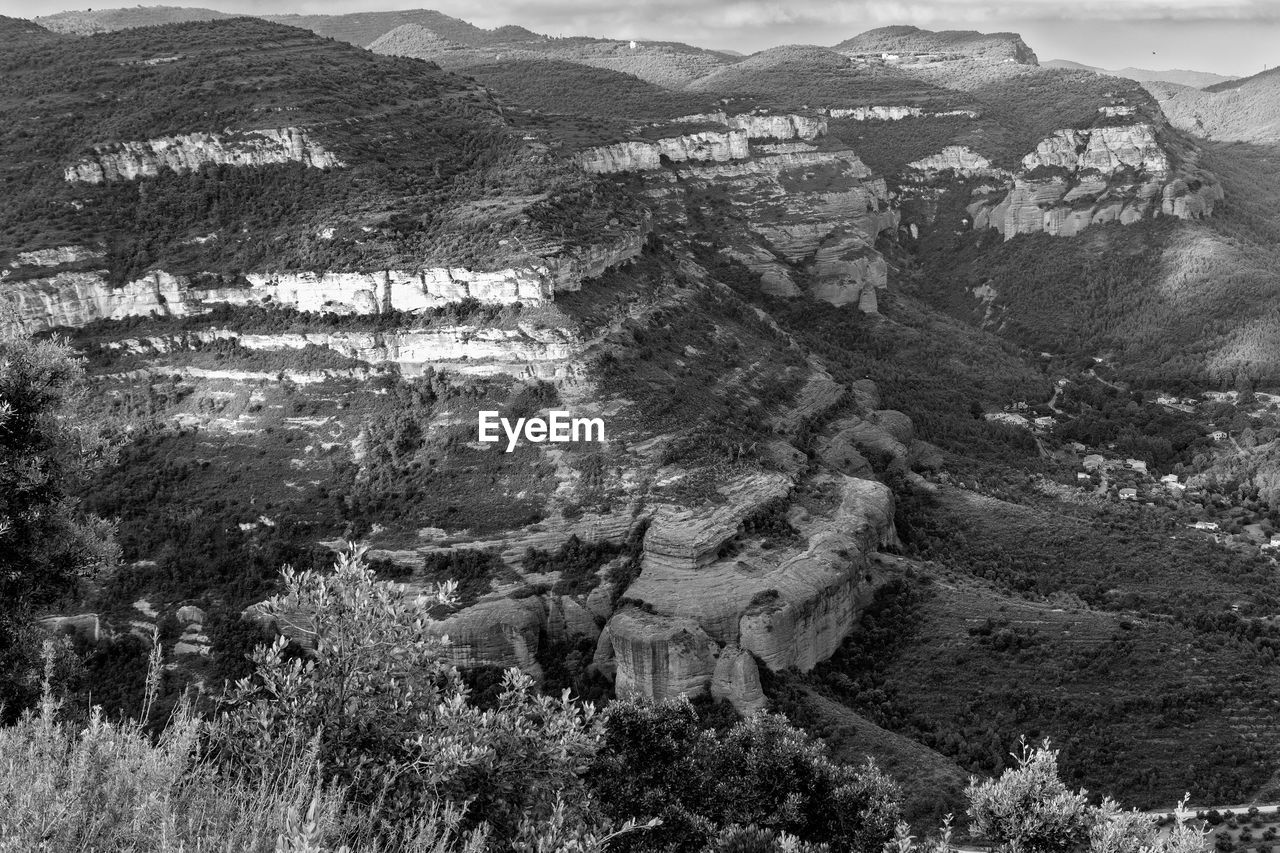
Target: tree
(46,447)
(376,695)
(1028,809)
(763,773)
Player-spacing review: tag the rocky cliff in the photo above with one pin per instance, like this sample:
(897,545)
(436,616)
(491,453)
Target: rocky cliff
(710,611)
(641,155)
(893,113)
(1078,177)
(41,302)
(146,159)
(818,209)
(501,350)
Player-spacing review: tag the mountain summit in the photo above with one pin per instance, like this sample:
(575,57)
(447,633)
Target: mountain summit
(906,41)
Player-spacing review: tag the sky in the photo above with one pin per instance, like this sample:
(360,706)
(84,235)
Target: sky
(1239,37)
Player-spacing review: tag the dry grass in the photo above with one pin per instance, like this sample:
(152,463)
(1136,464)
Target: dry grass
(111,786)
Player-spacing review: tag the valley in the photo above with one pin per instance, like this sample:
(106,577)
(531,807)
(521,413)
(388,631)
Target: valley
(939,394)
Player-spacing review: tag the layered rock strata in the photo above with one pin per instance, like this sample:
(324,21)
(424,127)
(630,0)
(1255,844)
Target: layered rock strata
(146,159)
(819,209)
(642,155)
(707,618)
(510,350)
(1080,177)
(894,113)
(78,298)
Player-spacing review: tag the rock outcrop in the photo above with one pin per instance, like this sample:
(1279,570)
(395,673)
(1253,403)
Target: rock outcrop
(1105,149)
(820,209)
(960,159)
(1080,177)
(708,613)
(146,159)
(54,257)
(509,350)
(782,127)
(642,155)
(893,113)
(77,298)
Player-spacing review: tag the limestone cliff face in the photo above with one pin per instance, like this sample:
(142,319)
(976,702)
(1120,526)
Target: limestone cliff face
(781,127)
(1080,177)
(76,298)
(146,159)
(959,159)
(821,209)
(707,617)
(893,113)
(1102,149)
(502,350)
(642,155)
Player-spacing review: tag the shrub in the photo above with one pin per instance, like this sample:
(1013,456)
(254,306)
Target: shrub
(388,714)
(656,761)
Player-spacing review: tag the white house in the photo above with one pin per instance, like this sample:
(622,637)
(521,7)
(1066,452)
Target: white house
(1218,435)
(1128,494)
(1136,465)
(1205,525)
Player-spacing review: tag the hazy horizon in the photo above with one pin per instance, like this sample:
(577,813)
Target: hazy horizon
(1236,37)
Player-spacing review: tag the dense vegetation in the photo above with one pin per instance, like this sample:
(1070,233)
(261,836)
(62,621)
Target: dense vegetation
(422,147)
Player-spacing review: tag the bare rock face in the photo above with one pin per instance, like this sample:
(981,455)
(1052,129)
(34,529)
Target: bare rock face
(686,539)
(1103,149)
(893,113)
(819,208)
(737,679)
(501,632)
(189,614)
(959,159)
(146,159)
(660,657)
(485,350)
(44,302)
(783,127)
(1080,177)
(86,625)
(642,155)
(705,614)
(54,257)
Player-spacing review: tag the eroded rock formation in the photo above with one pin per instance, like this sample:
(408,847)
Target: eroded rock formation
(1080,177)
(707,615)
(77,298)
(893,113)
(642,155)
(510,350)
(146,159)
(820,209)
